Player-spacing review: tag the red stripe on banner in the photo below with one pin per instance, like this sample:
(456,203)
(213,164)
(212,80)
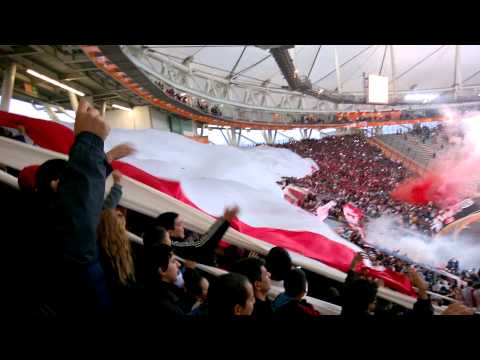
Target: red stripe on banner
(46,134)
(56,137)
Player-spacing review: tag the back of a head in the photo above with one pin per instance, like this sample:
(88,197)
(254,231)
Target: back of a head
(295,283)
(227,291)
(27,178)
(278,263)
(192,279)
(153,235)
(250,267)
(166,220)
(357,297)
(48,171)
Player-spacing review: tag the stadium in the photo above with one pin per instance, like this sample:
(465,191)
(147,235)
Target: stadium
(269,181)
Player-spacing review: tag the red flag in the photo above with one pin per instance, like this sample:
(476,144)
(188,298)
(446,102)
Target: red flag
(354,215)
(294,194)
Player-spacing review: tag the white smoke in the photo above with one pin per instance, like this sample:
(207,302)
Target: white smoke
(386,232)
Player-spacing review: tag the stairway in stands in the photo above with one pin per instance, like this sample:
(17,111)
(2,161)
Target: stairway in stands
(422,153)
(413,147)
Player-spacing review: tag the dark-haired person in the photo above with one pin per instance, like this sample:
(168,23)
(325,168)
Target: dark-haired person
(199,249)
(156,235)
(278,263)
(70,197)
(161,296)
(229,296)
(359,298)
(254,269)
(291,304)
(196,288)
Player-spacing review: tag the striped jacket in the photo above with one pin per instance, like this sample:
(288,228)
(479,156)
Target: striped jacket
(201,248)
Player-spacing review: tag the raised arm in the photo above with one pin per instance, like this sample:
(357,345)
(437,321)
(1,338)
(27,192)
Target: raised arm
(209,241)
(113,198)
(82,186)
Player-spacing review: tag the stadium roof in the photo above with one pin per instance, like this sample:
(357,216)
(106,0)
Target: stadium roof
(419,67)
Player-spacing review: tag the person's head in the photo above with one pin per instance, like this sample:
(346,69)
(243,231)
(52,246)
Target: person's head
(296,284)
(278,263)
(171,222)
(48,176)
(359,297)
(27,178)
(113,238)
(333,295)
(256,272)
(156,235)
(195,284)
(230,295)
(161,263)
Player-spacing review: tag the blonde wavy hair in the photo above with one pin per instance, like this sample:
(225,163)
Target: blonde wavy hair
(114,241)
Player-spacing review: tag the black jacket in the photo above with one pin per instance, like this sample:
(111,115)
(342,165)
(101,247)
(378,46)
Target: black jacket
(67,224)
(262,310)
(81,197)
(201,249)
(162,300)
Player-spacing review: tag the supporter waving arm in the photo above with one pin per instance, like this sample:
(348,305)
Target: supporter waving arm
(82,186)
(423,305)
(115,194)
(351,275)
(209,241)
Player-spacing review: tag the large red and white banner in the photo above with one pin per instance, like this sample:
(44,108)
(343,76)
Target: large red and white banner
(202,177)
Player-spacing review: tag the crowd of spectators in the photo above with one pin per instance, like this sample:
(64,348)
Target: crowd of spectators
(326,118)
(200,104)
(352,170)
(73,257)
(389,115)
(437,281)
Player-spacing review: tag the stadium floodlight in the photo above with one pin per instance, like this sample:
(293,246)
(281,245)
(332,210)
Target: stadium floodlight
(54,82)
(121,107)
(421,97)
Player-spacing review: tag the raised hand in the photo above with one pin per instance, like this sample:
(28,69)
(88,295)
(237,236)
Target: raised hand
(121,151)
(230,213)
(88,119)
(357,258)
(419,283)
